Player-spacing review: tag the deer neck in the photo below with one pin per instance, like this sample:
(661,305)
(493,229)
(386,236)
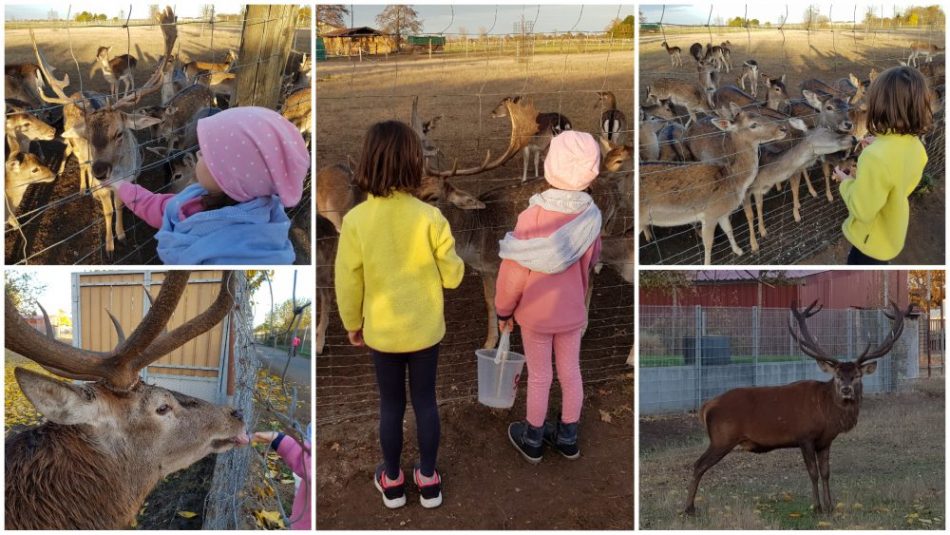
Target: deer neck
(49,467)
(742,168)
(842,414)
(129,161)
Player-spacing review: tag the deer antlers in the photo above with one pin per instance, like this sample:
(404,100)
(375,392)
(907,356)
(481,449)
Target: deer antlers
(810,346)
(147,343)
(524,126)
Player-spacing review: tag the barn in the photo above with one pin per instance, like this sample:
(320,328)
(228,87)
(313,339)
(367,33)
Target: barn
(355,41)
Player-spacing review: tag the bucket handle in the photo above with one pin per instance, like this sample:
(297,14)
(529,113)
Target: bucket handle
(504,345)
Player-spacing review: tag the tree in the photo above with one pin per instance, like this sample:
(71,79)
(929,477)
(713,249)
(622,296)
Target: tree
(23,288)
(398,20)
(642,16)
(153,11)
(621,29)
(207,10)
(332,15)
(463,33)
(917,286)
(52,15)
(810,18)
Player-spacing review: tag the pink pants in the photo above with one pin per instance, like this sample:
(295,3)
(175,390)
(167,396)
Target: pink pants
(567,351)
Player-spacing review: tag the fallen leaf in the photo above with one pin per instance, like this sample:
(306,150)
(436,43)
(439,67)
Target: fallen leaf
(824,524)
(605,416)
(187,514)
(287,481)
(794,515)
(269,519)
(335,446)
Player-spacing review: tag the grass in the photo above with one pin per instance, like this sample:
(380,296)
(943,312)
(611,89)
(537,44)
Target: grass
(887,473)
(657,361)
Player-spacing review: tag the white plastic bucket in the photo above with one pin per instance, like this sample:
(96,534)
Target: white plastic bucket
(498,373)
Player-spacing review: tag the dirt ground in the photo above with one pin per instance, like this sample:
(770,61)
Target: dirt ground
(817,238)
(887,473)
(60,224)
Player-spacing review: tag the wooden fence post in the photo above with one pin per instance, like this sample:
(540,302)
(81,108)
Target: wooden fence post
(267,37)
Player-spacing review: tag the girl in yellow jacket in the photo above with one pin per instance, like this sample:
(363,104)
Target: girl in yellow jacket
(889,168)
(395,255)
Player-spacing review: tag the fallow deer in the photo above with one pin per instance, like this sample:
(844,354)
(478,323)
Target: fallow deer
(750,73)
(336,192)
(107,443)
(822,110)
(807,415)
(179,118)
(674,194)
(21,170)
(719,55)
(297,109)
(776,96)
(22,127)
(549,124)
(173,79)
(115,70)
(676,54)
(613,122)
(196,70)
(920,49)
(657,108)
(106,132)
(708,74)
(678,92)
(696,51)
(327,239)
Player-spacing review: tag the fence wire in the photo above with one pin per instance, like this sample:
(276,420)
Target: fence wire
(829,53)
(63,217)
(688,355)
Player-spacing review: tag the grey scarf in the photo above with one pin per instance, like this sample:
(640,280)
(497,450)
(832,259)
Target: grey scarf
(565,246)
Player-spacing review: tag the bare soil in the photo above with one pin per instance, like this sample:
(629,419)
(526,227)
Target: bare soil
(817,239)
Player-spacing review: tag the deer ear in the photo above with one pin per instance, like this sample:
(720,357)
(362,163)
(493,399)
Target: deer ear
(138,121)
(782,79)
(812,99)
(604,143)
(75,132)
(798,124)
(60,402)
(723,124)
(869,368)
(826,367)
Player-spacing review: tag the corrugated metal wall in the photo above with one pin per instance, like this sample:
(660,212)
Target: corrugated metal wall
(123,294)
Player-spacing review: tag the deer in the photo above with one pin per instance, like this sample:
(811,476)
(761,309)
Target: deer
(104,133)
(850,89)
(173,79)
(750,73)
(613,122)
(675,53)
(776,167)
(105,444)
(221,84)
(549,124)
(719,55)
(297,109)
(657,108)
(195,70)
(115,70)
(807,415)
(822,110)
(336,192)
(708,73)
(926,50)
(21,170)
(22,127)
(673,194)
(327,240)
(178,119)
(619,252)
(776,96)
(696,51)
(680,93)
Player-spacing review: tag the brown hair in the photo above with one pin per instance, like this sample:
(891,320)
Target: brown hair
(899,103)
(391,160)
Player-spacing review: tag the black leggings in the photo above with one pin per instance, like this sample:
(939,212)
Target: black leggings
(857,258)
(391,377)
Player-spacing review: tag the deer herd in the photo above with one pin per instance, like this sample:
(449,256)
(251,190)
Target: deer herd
(707,148)
(102,130)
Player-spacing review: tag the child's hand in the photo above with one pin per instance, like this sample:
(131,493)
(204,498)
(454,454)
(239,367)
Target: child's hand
(114,185)
(506,326)
(867,141)
(356,338)
(843,174)
(263,437)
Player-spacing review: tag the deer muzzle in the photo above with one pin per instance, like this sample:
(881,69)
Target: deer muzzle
(101,170)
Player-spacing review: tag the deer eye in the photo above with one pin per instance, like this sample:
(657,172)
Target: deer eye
(164,408)
(754,125)
(117,135)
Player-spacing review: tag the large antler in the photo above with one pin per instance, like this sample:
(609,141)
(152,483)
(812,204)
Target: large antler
(167,20)
(120,367)
(807,342)
(58,86)
(897,327)
(524,126)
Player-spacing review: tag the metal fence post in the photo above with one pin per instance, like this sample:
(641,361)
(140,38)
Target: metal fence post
(850,319)
(756,332)
(698,339)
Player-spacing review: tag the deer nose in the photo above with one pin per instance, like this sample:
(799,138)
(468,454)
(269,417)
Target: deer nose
(238,414)
(101,170)
(848,126)
(846,390)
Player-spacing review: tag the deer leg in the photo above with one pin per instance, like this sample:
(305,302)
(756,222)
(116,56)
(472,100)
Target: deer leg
(747,208)
(796,205)
(826,170)
(707,460)
(760,206)
(323,320)
(537,159)
(119,224)
(811,190)
(708,232)
(824,468)
(488,285)
(524,173)
(811,464)
(105,199)
(727,228)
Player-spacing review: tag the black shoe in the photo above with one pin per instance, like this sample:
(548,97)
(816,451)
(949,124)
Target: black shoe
(394,493)
(562,437)
(430,494)
(527,439)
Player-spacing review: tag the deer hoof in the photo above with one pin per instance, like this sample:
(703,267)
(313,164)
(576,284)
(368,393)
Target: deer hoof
(797,216)
(690,510)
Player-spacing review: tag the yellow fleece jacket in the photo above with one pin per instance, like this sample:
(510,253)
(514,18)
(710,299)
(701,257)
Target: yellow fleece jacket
(394,257)
(888,171)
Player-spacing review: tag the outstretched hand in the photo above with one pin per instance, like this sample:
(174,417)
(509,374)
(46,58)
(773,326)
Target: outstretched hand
(265,437)
(356,338)
(506,326)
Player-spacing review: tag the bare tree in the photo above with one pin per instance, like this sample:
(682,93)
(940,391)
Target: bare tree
(52,15)
(207,10)
(153,11)
(121,14)
(332,15)
(810,18)
(398,20)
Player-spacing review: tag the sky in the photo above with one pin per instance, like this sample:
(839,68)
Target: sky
(438,18)
(772,12)
(39,10)
(58,292)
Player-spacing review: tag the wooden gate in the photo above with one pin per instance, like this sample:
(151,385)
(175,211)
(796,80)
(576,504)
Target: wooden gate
(198,368)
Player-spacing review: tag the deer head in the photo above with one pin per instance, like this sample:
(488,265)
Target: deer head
(847,375)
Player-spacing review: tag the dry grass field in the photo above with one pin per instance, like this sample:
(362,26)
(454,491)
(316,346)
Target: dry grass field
(817,238)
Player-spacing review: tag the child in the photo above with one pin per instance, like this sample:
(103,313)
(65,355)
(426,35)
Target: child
(251,165)
(543,283)
(889,168)
(395,255)
(297,458)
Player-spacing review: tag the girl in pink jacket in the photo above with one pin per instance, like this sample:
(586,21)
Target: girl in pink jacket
(542,284)
(297,457)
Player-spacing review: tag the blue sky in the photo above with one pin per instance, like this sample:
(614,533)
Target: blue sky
(772,12)
(58,292)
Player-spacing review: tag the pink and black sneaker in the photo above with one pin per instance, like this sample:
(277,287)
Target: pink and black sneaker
(430,488)
(394,492)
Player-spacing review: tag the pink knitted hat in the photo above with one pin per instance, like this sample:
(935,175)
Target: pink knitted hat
(254,152)
(573,161)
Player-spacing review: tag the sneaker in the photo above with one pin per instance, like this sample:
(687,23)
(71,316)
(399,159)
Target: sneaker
(562,437)
(430,492)
(394,492)
(527,439)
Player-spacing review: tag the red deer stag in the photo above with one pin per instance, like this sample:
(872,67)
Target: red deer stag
(106,444)
(806,414)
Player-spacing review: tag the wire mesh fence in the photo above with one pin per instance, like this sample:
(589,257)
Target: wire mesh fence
(830,53)
(688,355)
(59,222)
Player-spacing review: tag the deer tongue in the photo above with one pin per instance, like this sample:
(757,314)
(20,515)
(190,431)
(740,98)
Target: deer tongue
(242,439)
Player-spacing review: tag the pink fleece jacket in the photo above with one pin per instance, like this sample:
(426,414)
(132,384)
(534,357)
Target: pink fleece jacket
(150,207)
(545,303)
(298,459)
